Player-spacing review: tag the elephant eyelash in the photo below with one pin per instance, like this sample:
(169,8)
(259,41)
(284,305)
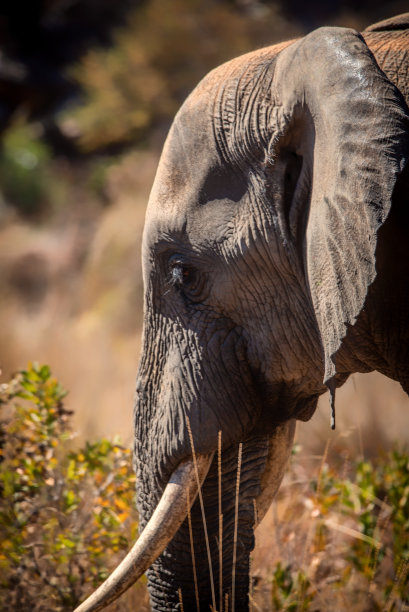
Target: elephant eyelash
(177,276)
(180,274)
(186,279)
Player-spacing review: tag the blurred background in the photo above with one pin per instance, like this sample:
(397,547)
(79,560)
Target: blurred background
(88,89)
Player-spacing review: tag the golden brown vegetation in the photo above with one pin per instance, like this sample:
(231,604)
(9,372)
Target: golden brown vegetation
(337,537)
(65,515)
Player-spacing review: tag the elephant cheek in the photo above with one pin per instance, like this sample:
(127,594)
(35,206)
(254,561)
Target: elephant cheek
(206,395)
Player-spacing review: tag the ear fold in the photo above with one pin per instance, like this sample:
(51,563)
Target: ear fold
(358,144)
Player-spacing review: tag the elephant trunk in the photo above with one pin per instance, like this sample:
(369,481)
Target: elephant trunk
(181,490)
(183,575)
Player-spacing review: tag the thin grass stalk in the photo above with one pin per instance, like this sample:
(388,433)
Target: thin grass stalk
(255,605)
(354,533)
(236,520)
(226,602)
(323,460)
(209,558)
(345,467)
(219,469)
(381,525)
(361,443)
(250,585)
(402,578)
(302,594)
(401,574)
(310,531)
(192,551)
(375,550)
(180,599)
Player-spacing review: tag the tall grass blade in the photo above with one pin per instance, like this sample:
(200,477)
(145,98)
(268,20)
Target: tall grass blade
(236,517)
(180,599)
(219,470)
(192,551)
(354,533)
(209,558)
(250,585)
(381,525)
(321,468)
(401,573)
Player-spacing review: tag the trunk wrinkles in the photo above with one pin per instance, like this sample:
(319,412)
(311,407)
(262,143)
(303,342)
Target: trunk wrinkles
(173,571)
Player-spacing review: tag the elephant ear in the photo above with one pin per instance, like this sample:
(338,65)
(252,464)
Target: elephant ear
(397,22)
(356,141)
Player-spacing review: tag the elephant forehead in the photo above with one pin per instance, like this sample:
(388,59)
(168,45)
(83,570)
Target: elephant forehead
(190,174)
(196,166)
(213,118)
(187,155)
(202,229)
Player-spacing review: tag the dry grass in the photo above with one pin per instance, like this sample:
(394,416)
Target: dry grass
(87,321)
(333,564)
(219,483)
(202,509)
(236,515)
(192,550)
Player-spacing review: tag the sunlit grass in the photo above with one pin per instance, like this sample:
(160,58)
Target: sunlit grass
(336,537)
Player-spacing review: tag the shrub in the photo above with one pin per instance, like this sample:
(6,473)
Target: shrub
(139,83)
(343,538)
(25,171)
(65,515)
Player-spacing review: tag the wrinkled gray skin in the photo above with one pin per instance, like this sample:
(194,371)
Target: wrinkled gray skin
(275,259)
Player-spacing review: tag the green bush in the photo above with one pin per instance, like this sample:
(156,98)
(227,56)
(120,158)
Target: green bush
(65,515)
(291,590)
(139,83)
(350,540)
(24,170)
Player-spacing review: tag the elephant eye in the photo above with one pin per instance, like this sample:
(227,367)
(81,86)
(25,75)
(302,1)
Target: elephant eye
(180,274)
(187,279)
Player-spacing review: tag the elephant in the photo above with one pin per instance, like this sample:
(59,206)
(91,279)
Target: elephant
(276,264)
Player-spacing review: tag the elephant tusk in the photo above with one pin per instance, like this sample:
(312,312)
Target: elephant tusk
(168,516)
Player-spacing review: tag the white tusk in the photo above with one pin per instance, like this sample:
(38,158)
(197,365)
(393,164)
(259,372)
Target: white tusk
(159,531)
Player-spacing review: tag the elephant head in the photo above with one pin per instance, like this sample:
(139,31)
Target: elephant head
(260,255)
